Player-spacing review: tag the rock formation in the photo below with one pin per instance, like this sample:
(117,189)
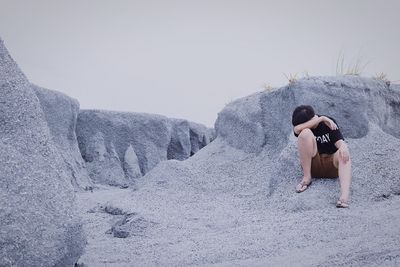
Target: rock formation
(119,147)
(61,112)
(38,221)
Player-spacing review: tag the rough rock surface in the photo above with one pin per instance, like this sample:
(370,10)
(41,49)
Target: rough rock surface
(233,203)
(131,164)
(200,136)
(103,163)
(119,147)
(38,221)
(131,224)
(61,112)
(187,138)
(180,147)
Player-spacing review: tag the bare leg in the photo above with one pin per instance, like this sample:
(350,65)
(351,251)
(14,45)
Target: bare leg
(344,177)
(307,150)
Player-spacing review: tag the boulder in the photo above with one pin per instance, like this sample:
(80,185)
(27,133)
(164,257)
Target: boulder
(61,112)
(38,221)
(240,123)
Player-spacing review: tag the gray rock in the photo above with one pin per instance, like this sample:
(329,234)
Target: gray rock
(61,113)
(200,136)
(148,135)
(103,163)
(180,147)
(119,147)
(113,210)
(131,164)
(240,123)
(187,138)
(120,232)
(38,221)
(131,224)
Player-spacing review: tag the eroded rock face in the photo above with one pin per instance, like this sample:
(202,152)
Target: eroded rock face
(103,163)
(105,136)
(120,147)
(180,147)
(200,136)
(187,138)
(38,223)
(61,112)
(131,164)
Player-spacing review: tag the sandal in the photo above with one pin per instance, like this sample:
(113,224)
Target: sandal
(302,186)
(342,204)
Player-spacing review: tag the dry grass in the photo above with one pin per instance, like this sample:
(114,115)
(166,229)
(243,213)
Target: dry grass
(291,78)
(350,69)
(268,88)
(384,78)
(381,77)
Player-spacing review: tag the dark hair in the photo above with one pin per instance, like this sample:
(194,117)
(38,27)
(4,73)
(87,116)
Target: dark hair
(302,114)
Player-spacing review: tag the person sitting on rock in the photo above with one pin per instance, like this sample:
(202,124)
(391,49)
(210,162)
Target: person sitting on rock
(322,150)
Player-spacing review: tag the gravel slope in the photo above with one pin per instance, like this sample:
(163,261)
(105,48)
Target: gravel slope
(225,215)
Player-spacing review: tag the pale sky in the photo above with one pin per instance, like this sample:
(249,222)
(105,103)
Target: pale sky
(188,59)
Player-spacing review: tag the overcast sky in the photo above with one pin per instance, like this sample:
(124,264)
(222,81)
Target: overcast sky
(188,59)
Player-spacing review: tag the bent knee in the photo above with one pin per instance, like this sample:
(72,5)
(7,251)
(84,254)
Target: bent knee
(337,161)
(306,134)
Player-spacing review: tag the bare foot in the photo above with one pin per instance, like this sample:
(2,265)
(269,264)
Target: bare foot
(303,185)
(342,203)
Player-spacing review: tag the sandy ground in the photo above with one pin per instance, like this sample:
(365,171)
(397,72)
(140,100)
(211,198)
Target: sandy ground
(200,231)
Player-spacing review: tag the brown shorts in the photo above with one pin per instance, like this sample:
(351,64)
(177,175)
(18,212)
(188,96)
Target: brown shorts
(322,166)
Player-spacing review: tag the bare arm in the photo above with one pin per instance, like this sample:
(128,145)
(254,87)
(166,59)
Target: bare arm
(308,124)
(313,123)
